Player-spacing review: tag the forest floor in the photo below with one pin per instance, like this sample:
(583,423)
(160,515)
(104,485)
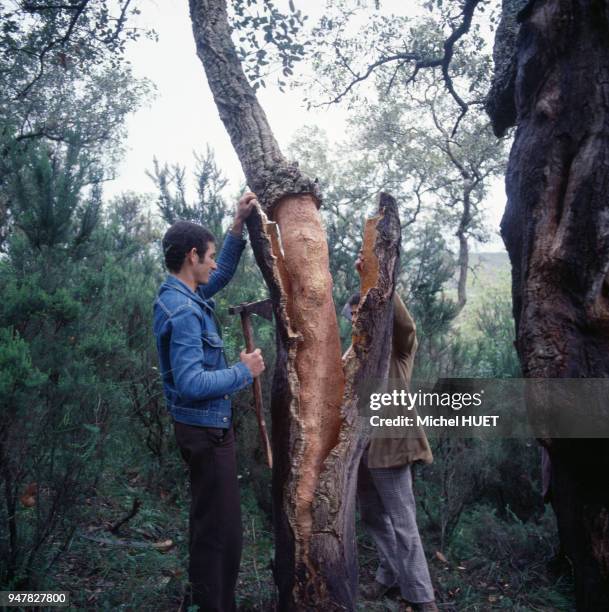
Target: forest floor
(490,564)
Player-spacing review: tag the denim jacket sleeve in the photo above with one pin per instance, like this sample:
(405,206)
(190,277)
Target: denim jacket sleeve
(227,261)
(186,357)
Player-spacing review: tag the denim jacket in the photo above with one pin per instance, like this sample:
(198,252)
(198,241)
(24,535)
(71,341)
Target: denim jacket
(197,381)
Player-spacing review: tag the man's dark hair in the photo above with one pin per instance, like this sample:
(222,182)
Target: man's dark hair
(180,238)
(354,299)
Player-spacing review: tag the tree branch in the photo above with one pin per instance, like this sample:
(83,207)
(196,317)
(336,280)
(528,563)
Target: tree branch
(267,171)
(120,23)
(420,62)
(134,510)
(79,10)
(33,8)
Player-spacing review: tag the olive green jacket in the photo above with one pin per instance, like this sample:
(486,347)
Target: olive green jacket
(400,450)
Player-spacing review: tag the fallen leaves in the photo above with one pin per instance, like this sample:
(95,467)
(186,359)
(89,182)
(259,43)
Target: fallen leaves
(441,557)
(163,546)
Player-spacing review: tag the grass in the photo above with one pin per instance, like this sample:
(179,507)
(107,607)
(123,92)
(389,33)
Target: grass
(105,577)
(490,564)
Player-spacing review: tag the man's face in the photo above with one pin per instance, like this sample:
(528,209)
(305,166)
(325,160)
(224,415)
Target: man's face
(205,265)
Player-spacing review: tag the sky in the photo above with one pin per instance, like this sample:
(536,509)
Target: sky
(182,118)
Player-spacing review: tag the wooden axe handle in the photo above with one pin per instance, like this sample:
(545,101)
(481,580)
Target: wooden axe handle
(249,346)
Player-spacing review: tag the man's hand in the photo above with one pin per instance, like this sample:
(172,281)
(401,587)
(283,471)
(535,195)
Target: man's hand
(253,361)
(244,208)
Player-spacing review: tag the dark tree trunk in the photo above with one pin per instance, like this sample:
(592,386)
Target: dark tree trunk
(556,230)
(463,260)
(316,435)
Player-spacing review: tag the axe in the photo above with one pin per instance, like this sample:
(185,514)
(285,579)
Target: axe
(264,309)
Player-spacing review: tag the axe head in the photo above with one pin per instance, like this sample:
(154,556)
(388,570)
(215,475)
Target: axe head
(263,308)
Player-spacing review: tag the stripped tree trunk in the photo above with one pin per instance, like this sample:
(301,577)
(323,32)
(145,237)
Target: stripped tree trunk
(555,88)
(317,442)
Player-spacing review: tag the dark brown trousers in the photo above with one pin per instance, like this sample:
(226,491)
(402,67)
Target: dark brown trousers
(215,536)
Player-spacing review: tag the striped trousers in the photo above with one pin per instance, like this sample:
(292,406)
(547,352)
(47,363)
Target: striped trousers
(388,513)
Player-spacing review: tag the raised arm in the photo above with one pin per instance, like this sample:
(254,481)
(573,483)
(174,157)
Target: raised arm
(233,246)
(227,263)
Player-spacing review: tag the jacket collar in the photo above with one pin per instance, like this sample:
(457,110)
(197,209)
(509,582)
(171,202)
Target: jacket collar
(174,282)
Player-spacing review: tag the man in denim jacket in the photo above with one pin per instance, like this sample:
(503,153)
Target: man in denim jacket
(198,383)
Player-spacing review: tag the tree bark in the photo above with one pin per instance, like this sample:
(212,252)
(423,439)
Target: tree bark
(464,223)
(556,230)
(316,436)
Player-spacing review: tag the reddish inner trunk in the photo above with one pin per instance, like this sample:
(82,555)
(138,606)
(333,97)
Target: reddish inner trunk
(310,308)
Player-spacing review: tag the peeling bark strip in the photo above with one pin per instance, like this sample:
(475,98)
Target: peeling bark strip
(317,359)
(556,230)
(315,436)
(326,579)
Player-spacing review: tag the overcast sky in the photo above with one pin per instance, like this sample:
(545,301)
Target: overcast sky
(182,118)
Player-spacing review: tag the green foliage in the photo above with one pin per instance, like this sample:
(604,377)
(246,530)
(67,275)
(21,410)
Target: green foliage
(83,425)
(209,209)
(18,378)
(431,155)
(437,164)
(66,390)
(427,267)
(71,345)
(503,563)
(476,343)
(46,46)
(45,193)
(257,590)
(268,40)
(65,91)
(493,351)
(363,43)
(479,505)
